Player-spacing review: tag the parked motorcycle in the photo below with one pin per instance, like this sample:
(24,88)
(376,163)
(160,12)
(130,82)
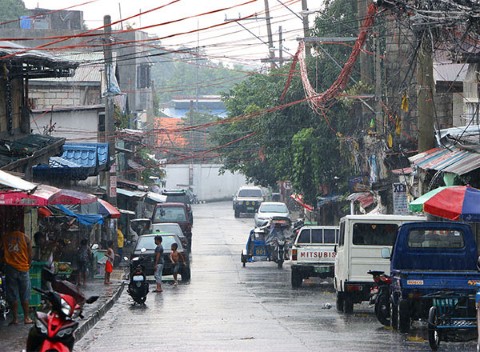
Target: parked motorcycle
(380,296)
(54,330)
(138,285)
(4,307)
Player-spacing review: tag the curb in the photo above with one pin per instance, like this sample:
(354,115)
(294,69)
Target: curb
(96,316)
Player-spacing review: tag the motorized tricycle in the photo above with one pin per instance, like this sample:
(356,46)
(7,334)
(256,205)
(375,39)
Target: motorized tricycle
(269,242)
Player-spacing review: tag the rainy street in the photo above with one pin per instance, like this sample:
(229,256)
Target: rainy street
(229,307)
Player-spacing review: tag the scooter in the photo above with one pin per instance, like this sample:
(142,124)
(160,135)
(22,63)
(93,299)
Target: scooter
(380,296)
(54,330)
(138,285)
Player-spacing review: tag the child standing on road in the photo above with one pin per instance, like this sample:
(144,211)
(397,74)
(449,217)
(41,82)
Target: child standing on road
(109,263)
(177,260)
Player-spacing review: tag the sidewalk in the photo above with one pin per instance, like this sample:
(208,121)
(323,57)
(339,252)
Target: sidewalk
(13,338)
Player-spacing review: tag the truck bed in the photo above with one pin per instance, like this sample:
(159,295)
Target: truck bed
(427,281)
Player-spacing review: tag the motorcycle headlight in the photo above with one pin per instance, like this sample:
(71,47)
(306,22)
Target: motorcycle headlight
(66,309)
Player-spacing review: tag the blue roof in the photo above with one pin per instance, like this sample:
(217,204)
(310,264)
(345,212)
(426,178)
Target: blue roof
(78,161)
(86,154)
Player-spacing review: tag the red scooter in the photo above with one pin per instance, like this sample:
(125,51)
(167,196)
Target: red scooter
(54,330)
(380,296)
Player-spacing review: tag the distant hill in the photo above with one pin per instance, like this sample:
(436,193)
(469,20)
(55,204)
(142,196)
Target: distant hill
(186,75)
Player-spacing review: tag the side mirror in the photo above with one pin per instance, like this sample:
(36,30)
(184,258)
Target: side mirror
(95,246)
(335,248)
(143,250)
(385,253)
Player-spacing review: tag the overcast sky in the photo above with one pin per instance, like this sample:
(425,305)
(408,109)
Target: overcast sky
(230,41)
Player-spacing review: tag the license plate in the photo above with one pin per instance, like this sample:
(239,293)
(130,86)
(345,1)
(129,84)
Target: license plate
(250,208)
(322,269)
(138,278)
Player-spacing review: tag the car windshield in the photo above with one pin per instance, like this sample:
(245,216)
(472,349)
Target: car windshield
(148,242)
(273,208)
(169,214)
(250,193)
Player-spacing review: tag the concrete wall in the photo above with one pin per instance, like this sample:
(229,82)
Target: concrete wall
(76,126)
(208,185)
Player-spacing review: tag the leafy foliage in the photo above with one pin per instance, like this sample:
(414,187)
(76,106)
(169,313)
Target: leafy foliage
(11,9)
(293,143)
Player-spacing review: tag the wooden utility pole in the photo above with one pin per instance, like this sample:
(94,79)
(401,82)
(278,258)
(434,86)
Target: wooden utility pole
(271,51)
(425,92)
(280,46)
(110,176)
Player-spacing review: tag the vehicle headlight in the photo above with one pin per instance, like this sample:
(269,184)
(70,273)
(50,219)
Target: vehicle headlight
(66,309)
(63,332)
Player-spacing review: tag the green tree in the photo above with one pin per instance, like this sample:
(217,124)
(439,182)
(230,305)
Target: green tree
(11,10)
(293,143)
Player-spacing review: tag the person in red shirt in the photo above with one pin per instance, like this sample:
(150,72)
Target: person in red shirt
(16,248)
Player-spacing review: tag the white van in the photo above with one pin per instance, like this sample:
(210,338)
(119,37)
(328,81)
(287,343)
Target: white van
(360,242)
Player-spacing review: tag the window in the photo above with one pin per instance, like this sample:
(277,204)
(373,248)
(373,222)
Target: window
(329,236)
(368,234)
(341,237)
(143,76)
(437,238)
(170,214)
(250,193)
(317,235)
(304,237)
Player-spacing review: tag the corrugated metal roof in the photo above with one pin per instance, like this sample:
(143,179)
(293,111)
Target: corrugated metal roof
(127,193)
(90,67)
(86,154)
(457,161)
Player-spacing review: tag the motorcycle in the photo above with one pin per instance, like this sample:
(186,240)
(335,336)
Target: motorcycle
(380,296)
(54,330)
(138,285)
(4,307)
(280,233)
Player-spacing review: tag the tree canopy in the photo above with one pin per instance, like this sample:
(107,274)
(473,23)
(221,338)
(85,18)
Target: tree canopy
(272,140)
(11,10)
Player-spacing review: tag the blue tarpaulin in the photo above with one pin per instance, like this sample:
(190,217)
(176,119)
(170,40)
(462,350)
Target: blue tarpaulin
(84,219)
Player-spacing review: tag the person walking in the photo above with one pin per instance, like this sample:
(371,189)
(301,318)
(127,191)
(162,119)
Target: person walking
(120,243)
(16,248)
(83,259)
(177,260)
(158,263)
(109,263)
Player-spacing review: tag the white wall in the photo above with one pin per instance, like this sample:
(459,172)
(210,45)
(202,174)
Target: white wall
(208,185)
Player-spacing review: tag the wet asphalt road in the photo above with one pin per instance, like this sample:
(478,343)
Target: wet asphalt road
(226,307)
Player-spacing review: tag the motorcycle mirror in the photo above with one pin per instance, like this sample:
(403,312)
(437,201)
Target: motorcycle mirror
(125,258)
(143,250)
(94,246)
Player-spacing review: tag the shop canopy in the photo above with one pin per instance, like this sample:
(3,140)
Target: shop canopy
(107,209)
(15,183)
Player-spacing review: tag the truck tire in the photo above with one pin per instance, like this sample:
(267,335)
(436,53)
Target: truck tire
(433,334)
(403,316)
(297,278)
(347,304)
(393,314)
(339,302)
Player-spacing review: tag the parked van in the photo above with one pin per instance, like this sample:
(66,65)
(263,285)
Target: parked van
(360,242)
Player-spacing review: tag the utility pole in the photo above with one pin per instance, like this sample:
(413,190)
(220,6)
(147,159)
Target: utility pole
(110,176)
(305,26)
(280,46)
(425,91)
(271,51)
